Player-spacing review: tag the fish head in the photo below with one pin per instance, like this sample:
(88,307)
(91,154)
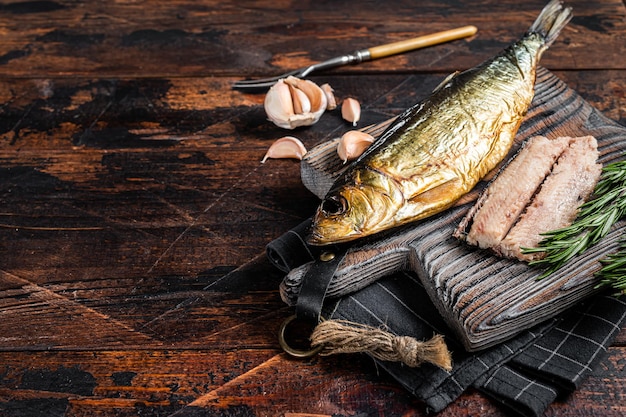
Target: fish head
(352,212)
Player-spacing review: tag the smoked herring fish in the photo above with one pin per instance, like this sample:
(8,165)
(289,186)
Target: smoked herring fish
(439,149)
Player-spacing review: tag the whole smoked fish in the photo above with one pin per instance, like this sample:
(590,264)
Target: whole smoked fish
(439,149)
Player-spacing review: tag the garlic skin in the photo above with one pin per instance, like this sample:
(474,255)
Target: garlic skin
(351,110)
(352,144)
(285,147)
(293,102)
(330,96)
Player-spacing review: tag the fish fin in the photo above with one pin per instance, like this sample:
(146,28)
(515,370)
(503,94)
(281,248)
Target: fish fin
(551,21)
(446,81)
(436,198)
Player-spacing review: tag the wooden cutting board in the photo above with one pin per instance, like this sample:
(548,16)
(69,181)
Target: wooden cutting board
(485,299)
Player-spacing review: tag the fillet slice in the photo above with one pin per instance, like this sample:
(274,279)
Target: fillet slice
(556,205)
(508,195)
(538,191)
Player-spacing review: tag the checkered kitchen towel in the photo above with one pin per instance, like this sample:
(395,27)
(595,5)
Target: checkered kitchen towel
(524,374)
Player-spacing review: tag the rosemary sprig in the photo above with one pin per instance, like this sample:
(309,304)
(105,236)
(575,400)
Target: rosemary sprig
(594,221)
(613,272)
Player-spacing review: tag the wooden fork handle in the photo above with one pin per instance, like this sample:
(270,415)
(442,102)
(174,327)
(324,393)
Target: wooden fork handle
(421,42)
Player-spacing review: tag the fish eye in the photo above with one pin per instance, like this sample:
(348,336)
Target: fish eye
(335,205)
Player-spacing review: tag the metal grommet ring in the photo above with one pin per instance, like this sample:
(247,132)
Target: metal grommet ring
(296,353)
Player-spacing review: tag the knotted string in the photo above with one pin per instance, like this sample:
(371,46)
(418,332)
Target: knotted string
(340,336)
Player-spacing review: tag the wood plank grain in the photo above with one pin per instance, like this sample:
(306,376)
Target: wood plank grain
(238,309)
(169,39)
(119,382)
(192,382)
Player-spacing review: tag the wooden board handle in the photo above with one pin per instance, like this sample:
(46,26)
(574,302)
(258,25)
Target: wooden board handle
(421,42)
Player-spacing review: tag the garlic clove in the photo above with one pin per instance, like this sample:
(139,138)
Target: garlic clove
(313,91)
(301,102)
(285,147)
(279,104)
(330,96)
(316,98)
(352,144)
(351,110)
(302,106)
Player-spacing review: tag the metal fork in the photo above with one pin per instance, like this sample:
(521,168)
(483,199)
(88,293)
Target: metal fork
(375,52)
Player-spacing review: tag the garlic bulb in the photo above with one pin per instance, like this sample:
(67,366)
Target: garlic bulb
(352,144)
(286,147)
(351,110)
(293,102)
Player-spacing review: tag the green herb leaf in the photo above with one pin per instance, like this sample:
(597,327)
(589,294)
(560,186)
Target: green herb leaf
(613,272)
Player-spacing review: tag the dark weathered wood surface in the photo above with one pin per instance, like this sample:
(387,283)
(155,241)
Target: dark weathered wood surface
(134,210)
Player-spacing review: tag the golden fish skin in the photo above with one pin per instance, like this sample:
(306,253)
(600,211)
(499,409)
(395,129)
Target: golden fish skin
(439,149)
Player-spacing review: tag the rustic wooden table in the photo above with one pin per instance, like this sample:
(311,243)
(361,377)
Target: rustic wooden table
(135,210)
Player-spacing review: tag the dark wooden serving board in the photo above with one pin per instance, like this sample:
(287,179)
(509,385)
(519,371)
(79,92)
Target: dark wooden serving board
(485,299)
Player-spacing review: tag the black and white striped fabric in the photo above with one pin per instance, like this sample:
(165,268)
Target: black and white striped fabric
(524,374)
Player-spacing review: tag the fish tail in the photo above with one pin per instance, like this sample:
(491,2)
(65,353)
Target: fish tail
(550,21)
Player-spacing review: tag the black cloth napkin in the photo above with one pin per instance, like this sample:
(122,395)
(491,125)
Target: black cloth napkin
(524,374)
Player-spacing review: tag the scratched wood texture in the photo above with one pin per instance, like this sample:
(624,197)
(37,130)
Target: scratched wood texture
(134,210)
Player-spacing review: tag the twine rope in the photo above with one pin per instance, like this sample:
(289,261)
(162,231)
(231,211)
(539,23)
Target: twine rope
(341,336)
